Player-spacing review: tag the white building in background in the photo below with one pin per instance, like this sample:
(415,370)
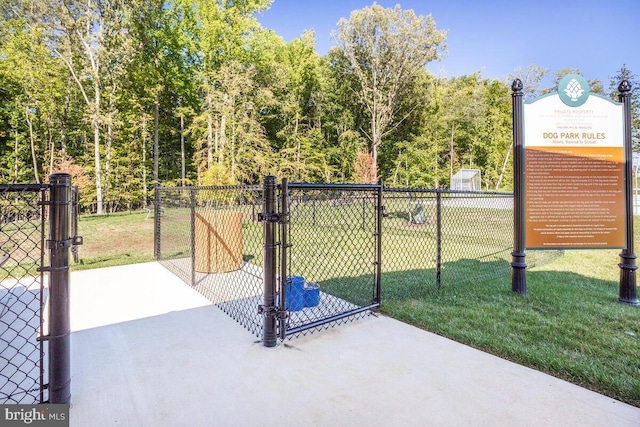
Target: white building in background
(467,179)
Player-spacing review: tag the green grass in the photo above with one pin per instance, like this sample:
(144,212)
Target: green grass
(114,239)
(570,324)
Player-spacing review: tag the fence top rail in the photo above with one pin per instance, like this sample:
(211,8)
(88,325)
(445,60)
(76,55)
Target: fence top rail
(7,188)
(354,187)
(320,186)
(446,191)
(213,187)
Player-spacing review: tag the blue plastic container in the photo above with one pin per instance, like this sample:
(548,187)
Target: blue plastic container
(294,295)
(311,295)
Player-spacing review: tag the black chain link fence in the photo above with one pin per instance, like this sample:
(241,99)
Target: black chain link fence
(439,237)
(334,240)
(347,248)
(219,227)
(22,293)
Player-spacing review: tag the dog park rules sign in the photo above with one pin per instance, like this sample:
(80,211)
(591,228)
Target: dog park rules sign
(574,169)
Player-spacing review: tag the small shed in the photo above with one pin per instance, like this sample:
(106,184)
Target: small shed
(467,179)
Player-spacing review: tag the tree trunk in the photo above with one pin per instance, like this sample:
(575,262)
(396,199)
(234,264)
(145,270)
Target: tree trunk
(96,155)
(223,129)
(182,154)
(51,152)
(15,158)
(210,132)
(145,194)
(504,167)
(107,162)
(156,118)
(33,147)
(451,154)
(298,148)
(375,142)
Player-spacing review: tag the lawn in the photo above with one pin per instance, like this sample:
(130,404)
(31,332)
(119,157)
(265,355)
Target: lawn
(115,239)
(570,324)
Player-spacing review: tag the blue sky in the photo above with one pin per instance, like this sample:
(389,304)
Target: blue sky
(496,36)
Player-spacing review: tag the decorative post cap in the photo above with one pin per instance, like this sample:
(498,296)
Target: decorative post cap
(517,85)
(624,86)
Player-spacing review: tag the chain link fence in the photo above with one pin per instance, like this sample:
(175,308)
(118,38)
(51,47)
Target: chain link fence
(34,313)
(344,248)
(333,245)
(439,237)
(22,293)
(210,237)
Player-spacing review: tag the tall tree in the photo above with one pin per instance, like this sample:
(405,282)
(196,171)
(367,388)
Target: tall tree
(385,48)
(595,85)
(531,77)
(89,37)
(626,74)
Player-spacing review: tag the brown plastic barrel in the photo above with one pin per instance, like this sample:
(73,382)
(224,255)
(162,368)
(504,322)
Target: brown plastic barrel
(218,241)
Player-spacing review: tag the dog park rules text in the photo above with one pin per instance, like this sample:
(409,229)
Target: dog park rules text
(574,174)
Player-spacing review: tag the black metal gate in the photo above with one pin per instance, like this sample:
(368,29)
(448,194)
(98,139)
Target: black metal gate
(34,307)
(235,244)
(328,268)
(22,293)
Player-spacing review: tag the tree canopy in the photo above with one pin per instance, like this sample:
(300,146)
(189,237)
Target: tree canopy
(126,94)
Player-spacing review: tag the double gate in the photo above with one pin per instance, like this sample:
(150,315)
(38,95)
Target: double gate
(34,306)
(283,259)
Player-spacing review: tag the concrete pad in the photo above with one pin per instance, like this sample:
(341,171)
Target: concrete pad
(149,351)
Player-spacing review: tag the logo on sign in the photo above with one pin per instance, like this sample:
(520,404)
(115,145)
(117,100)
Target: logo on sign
(573,90)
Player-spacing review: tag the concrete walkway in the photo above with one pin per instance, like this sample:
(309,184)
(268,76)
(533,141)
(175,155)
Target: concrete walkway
(149,351)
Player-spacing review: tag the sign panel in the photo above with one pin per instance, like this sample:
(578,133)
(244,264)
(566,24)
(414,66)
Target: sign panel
(574,170)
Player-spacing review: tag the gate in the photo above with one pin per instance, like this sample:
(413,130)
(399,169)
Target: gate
(235,245)
(34,318)
(293,258)
(329,258)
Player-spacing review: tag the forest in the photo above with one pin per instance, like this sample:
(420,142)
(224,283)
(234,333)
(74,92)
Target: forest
(126,94)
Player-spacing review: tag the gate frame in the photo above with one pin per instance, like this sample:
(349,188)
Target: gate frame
(58,209)
(274,308)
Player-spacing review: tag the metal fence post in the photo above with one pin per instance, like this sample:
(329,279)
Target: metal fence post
(156,222)
(438,238)
(192,197)
(59,323)
(628,290)
(284,248)
(269,332)
(518,264)
(379,216)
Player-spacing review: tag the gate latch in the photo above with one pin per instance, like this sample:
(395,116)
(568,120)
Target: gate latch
(270,217)
(272,311)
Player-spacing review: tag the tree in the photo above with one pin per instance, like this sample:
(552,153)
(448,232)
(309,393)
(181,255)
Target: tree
(90,37)
(626,74)
(595,86)
(531,77)
(385,48)
(222,32)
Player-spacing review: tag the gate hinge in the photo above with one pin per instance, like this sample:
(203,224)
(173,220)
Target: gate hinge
(268,310)
(62,244)
(271,217)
